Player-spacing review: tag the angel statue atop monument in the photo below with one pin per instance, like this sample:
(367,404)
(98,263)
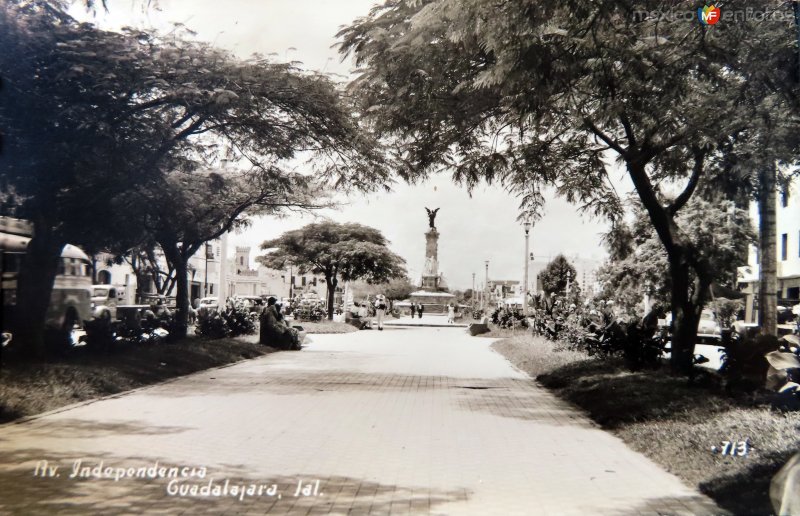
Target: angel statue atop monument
(431,217)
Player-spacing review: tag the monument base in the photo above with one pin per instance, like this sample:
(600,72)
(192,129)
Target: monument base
(430,282)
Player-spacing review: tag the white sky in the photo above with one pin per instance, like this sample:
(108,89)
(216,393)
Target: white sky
(472,230)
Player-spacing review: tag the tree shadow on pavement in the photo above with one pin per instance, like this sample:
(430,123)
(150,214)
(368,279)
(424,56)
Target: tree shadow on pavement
(520,400)
(22,492)
(88,429)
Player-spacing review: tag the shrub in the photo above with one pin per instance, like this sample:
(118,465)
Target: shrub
(743,363)
(234,321)
(506,318)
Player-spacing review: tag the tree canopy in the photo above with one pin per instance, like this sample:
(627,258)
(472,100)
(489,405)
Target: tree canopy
(344,252)
(91,116)
(638,264)
(557,275)
(560,93)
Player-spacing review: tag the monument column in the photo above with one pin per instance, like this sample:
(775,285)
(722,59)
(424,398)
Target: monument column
(430,275)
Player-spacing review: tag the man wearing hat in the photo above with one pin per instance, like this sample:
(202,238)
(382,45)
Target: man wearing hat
(380,309)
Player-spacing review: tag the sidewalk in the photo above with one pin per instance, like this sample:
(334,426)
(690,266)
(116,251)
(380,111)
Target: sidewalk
(408,421)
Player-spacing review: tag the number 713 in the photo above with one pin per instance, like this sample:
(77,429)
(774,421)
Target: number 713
(735,449)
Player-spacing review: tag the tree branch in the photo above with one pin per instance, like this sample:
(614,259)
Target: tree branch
(691,186)
(600,134)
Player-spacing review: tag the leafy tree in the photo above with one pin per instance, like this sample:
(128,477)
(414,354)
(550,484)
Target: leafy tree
(552,94)
(395,289)
(466,297)
(344,252)
(399,289)
(720,231)
(186,210)
(93,115)
(61,163)
(557,275)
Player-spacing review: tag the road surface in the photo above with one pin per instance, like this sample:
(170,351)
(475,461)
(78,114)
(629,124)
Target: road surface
(403,421)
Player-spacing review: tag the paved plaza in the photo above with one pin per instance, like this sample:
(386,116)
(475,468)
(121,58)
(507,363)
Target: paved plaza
(404,421)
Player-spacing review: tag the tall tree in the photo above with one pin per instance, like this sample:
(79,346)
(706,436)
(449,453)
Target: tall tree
(551,93)
(557,275)
(720,231)
(187,209)
(62,162)
(344,252)
(91,115)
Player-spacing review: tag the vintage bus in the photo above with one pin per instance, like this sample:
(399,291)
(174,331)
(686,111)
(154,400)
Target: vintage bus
(71,300)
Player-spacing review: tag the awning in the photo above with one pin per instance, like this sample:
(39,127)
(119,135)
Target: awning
(727,293)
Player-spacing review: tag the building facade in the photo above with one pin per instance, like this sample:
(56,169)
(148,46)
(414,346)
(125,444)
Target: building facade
(787,244)
(244,277)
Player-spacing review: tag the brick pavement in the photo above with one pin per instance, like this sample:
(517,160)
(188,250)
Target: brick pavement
(419,421)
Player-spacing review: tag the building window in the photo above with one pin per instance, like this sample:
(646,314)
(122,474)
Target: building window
(784,246)
(304,281)
(104,278)
(785,198)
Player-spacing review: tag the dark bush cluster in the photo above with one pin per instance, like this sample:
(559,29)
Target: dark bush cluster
(507,318)
(639,341)
(106,335)
(234,321)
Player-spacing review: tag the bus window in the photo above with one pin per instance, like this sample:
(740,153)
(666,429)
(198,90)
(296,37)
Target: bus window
(11,262)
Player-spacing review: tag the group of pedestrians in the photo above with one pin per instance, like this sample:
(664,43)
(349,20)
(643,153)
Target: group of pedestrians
(418,309)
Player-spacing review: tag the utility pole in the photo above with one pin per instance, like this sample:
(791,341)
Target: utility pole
(472,297)
(527,225)
(486,285)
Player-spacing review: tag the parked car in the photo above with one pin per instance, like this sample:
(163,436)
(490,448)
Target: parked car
(708,329)
(105,299)
(207,305)
(253,303)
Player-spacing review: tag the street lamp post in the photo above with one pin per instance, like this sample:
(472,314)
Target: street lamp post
(527,225)
(472,297)
(568,278)
(209,250)
(486,286)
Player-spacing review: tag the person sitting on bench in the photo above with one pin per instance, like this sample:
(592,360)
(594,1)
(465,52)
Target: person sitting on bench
(274,332)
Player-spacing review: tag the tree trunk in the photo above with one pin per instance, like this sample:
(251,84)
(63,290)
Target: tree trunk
(180,264)
(685,315)
(331,283)
(34,289)
(94,269)
(181,326)
(768,267)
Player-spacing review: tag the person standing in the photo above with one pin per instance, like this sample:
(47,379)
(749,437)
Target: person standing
(380,310)
(420,309)
(451,314)
(413,310)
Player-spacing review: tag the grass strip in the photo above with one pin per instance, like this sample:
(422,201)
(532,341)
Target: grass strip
(674,423)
